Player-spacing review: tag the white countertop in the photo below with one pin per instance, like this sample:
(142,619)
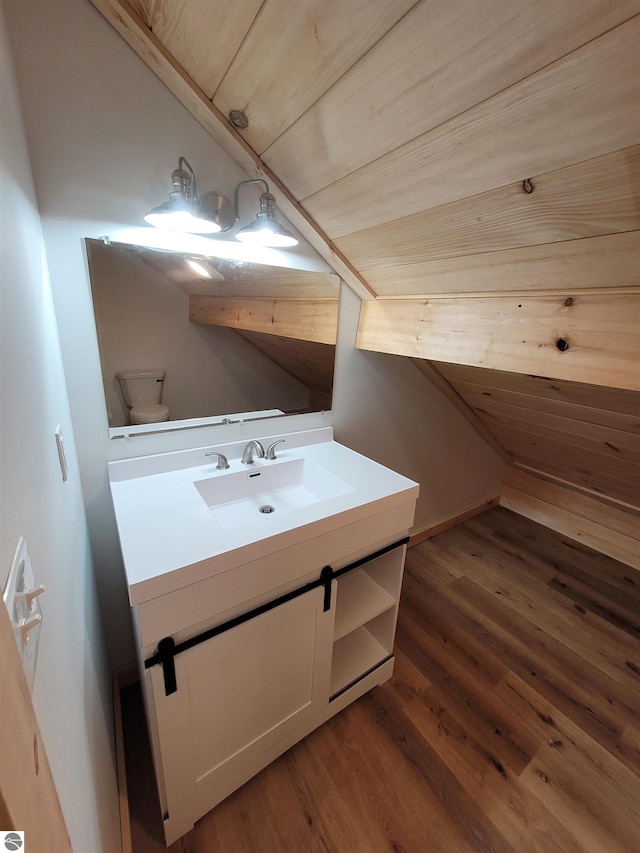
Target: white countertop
(170,538)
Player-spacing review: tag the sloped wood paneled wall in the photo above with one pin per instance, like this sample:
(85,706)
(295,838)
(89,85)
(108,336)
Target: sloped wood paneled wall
(523,256)
(582,434)
(573,451)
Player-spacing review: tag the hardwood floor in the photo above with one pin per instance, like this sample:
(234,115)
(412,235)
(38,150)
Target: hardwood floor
(512,722)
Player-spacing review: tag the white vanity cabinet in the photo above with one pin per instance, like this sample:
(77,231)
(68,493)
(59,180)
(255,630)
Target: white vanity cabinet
(246,694)
(245,650)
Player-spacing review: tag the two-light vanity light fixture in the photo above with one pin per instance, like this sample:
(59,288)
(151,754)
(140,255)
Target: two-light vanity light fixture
(213,212)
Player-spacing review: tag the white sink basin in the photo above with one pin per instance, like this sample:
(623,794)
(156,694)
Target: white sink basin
(267,490)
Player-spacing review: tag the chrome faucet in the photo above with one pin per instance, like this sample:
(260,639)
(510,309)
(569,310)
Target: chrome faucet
(253,448)
(223,464)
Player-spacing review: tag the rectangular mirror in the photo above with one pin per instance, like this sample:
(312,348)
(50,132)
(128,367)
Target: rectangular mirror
(209,338)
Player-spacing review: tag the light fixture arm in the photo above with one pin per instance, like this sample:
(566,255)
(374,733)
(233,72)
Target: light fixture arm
(266,200)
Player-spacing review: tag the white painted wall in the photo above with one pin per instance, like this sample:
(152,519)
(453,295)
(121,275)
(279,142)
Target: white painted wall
(104,135)
(385,408)
(72,689)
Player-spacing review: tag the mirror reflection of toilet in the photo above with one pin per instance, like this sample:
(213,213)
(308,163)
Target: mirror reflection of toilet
(142,392)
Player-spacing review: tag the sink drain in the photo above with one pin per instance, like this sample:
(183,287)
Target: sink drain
(267,508)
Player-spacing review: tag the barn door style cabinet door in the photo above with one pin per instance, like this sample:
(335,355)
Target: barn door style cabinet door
(224,703)
(241,699)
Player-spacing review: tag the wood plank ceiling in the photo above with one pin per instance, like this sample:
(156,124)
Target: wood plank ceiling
(471,168)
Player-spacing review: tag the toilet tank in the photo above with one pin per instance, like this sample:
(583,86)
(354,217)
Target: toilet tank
(141,386)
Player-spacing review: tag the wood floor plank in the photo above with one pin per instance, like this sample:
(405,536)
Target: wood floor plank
(408,681)
(277,792)
(561,676)
(601,643)
(601,714)
(446,637)
(474,547)
(614,607)
(523,820)
(629,747)
(593,794)
(612,581)
(511,723)
(477,830)
(436,561)
(332,785)
(607,714)
(398,808)
(590,581)
(560,552)
(553,728)
(491,730)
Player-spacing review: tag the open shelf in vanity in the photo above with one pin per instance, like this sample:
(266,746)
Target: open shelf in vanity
(366,613)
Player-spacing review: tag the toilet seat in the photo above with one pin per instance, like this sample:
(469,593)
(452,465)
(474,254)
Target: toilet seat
(151,413)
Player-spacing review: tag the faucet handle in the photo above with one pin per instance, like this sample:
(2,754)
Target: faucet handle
(271,453)
(222,459)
